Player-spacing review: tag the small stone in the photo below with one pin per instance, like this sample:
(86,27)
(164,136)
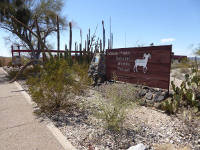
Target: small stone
(149,96)
(142,93)
(149,102)
(165,94)
(157,89)
(160,98)
(157,105)
(146,87)
(138,147)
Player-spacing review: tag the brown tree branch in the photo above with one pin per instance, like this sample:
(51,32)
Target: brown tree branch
(24,67)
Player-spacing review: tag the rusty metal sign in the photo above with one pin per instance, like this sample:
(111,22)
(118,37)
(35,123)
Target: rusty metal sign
(148,66)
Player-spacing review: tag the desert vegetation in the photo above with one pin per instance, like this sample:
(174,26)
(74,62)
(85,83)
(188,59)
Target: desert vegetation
(111,115)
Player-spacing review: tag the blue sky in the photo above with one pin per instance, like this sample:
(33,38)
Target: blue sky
(161,22)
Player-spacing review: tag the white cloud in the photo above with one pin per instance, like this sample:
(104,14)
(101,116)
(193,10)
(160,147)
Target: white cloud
(167,40)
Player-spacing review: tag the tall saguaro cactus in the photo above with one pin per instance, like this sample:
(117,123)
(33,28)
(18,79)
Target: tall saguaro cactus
(101,46)
(81,39)
(104,36)
(58,34)
(70,37)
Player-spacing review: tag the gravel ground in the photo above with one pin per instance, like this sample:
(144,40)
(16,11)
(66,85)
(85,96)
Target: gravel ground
(142,125)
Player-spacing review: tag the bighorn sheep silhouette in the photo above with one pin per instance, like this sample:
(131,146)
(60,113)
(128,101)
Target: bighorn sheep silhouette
(142,62)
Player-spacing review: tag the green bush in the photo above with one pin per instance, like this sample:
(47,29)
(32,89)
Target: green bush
(12,73)
(80,73)
(55,87)
(9,64)
(187,95)
(185,70)
(182,64)
(1,64)
(113,111)
(28,72)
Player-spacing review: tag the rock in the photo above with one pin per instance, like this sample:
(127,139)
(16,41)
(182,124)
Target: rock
(142,93)
(149,103)
(159,97)
(152,90)
(157,89)
(149,96)
(138,147)
(146,87)
(157,105)
(165,94)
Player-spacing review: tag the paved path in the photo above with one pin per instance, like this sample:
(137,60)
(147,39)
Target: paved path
(19,128)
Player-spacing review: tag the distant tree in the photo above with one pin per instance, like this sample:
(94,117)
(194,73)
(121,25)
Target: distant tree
(32,21)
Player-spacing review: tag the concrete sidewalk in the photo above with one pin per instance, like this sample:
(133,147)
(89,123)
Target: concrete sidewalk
(19,128)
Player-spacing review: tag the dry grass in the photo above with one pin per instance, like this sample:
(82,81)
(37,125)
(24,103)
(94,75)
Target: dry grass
(4,61)
(185,70)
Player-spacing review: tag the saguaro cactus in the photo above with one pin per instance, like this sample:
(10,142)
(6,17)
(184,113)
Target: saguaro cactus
(100,46)
(104,36)
(70,37)
(58,34)
(81,39)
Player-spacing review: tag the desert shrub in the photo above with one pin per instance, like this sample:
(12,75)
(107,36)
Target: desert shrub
(9,64)
(1,63)
(30,71)
(185,70)
(113,114)
(55,86)
(113,110)
(80,72)
(12,73)
(182,64)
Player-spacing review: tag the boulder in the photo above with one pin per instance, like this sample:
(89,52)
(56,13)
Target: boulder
(159,97)
(138,147)
(165,94)
(149,96)
(142,93)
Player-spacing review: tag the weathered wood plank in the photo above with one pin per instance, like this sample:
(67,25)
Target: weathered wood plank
(152,65)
